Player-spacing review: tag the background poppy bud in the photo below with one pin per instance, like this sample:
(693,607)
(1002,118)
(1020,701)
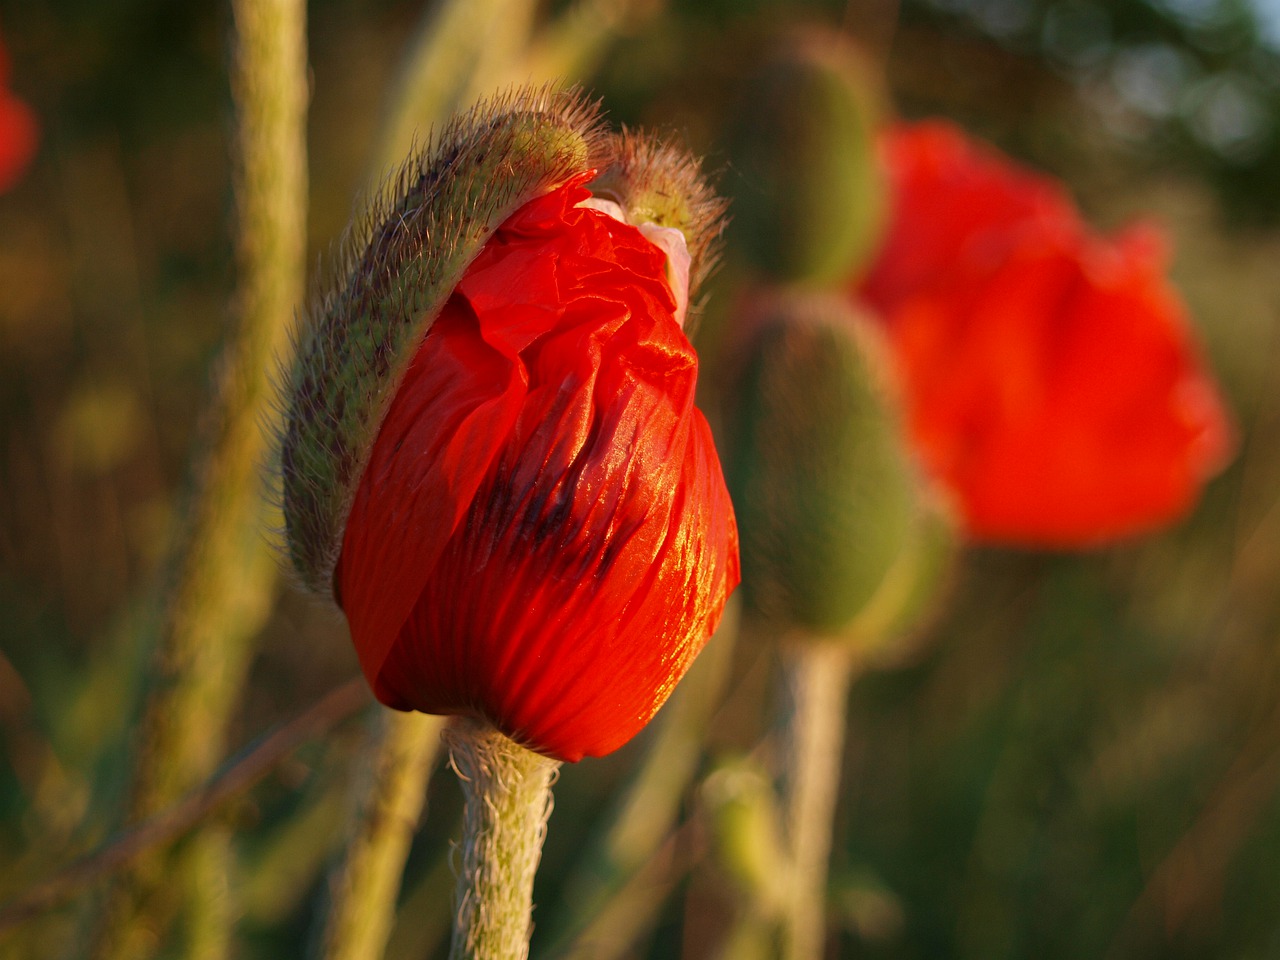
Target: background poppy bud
(540,535)
(895,620)
(809,192)
(839,536)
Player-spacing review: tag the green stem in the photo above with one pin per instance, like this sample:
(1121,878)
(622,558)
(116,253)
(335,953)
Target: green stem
(813,694)
(507,791)
(391,794)
(223,574)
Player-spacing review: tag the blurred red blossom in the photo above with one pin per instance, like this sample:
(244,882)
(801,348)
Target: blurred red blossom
(18,130)
(542,537)
(1052,381)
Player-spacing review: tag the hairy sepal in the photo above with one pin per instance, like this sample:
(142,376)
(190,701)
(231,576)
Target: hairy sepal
(398,265)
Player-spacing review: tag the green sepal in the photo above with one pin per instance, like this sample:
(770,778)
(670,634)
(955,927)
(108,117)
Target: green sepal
(398,267)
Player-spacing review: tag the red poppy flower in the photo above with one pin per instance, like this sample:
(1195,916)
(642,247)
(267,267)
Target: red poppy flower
(18,131)
(542,536)
(1051,377)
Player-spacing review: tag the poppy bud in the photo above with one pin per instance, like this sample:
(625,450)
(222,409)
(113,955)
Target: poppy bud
(492,450)
(840,537)
(809,197)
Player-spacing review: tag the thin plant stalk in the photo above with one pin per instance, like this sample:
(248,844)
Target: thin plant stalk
(507,792)
(391,795)
(223,574)
(575,43)
(466,49)
(425,920)
(619,921)
(813,693)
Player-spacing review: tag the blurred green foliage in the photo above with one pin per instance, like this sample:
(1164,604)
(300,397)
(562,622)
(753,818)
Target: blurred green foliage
(1082,761)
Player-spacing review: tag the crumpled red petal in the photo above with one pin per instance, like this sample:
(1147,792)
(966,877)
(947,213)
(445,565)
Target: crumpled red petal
(543,538)
(1051,377)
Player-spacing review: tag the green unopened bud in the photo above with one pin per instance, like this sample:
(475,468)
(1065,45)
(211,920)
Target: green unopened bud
(398,266)
(809,200)
(746,829)
(838,533)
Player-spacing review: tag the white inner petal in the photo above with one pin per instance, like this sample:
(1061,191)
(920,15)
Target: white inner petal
(605,206)
(671,242)
(667,239)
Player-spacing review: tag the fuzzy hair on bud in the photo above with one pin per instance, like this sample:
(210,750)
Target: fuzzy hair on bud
(396,268)
(660,183)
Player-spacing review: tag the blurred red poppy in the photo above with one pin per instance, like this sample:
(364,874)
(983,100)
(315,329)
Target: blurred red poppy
(1052,381)
(18,130)
(542,537)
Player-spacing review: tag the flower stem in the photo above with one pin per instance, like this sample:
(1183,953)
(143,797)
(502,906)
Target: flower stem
(814,690)
(507,791)
(391,797)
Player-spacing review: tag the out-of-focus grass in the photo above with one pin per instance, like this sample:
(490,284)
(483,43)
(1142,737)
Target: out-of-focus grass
(1084,759)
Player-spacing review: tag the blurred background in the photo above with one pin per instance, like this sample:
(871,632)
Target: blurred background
(1081,760)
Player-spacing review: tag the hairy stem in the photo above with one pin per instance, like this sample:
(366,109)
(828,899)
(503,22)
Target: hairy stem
(507,790)
(813,693)
(391,796)
(222,572)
